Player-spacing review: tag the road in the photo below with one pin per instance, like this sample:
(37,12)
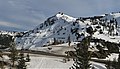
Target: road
(6,52)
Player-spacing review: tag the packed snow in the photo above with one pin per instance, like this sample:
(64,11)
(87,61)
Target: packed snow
(51,62)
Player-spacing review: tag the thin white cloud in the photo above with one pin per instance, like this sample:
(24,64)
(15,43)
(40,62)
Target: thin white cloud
(8,24)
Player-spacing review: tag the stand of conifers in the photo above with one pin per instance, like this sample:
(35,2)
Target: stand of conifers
(17,59)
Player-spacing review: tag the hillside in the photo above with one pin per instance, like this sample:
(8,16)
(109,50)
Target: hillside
(61,27)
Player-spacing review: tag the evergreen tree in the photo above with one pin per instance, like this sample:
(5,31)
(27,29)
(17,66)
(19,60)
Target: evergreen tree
(82,56)
(116,23)
(21,61)
(119,61)
(28,58)
(2,61)
(13,54)
(5,41)
(108,64)
(113,64)
(69,41)
(55,41)
(89,30)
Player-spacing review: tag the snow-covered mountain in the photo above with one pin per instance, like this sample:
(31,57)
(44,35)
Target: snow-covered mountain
(62,28)
(11,33)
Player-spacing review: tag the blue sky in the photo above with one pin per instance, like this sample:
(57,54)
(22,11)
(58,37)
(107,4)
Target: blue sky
(26,14)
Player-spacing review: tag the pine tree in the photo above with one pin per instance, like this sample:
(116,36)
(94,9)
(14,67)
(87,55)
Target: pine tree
(108,64)
(116,25)
(55,41)
(28,58)
(13,54)
(113,64)
(89,30)
(21,61)
(82,56)
(69,41)
(2,61)
(119,61)
(17,58)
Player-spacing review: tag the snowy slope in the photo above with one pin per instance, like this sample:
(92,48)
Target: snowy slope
(48,62)
(61,27)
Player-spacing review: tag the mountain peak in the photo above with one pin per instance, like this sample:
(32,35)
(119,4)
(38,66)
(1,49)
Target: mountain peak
(65,17)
